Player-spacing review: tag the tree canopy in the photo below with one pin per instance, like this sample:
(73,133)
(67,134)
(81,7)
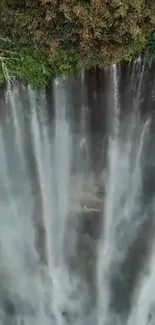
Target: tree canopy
(40,38)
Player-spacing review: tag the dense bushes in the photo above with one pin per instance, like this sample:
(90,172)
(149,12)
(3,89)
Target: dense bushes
(65,36)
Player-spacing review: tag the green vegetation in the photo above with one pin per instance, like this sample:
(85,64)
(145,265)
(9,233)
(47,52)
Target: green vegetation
(34,69)
(150,48)
(42,38)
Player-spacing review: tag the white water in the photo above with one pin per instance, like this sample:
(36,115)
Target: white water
(48,289)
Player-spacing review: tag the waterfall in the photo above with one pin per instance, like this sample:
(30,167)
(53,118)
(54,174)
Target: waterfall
(74,248)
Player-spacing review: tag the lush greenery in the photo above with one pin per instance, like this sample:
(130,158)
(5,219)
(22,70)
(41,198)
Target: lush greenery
(40,38)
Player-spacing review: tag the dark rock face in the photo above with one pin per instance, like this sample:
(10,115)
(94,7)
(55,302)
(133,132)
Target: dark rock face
(91,224)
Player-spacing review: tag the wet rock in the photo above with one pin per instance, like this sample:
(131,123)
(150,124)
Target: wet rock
(90,223)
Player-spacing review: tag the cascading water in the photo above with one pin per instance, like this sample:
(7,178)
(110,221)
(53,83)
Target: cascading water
(44,178)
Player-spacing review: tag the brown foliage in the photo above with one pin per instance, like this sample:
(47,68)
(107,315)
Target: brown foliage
(97,31)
